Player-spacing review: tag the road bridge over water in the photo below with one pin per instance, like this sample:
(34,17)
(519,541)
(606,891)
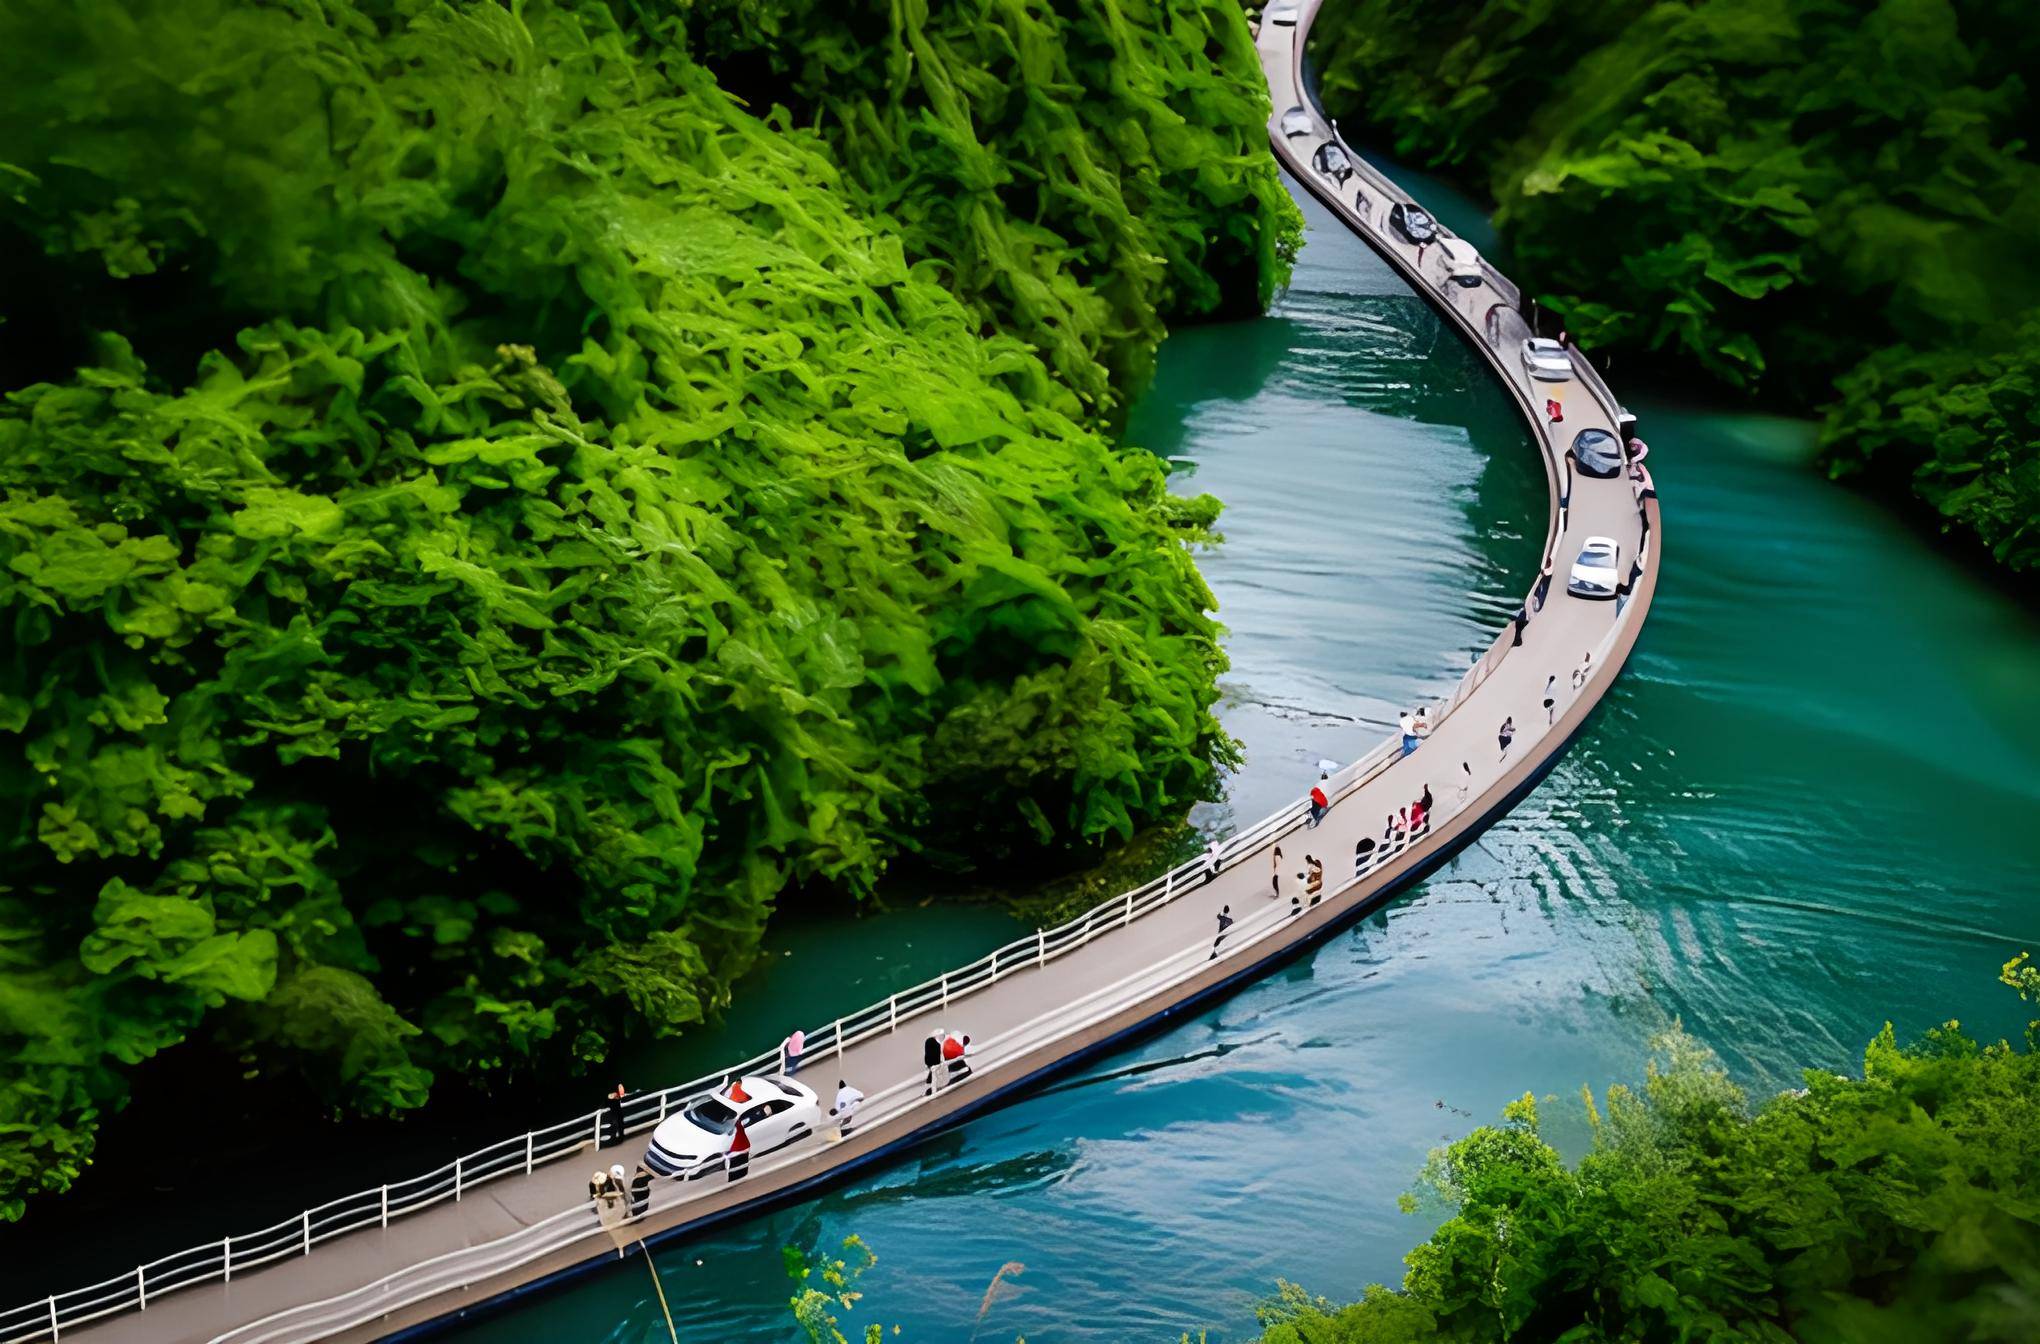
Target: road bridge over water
(514,1217)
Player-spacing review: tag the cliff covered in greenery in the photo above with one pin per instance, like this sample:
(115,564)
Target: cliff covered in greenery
(1899,1206)
(1834,201)
(490,497)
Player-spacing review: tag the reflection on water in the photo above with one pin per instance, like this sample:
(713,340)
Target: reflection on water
(1807,807)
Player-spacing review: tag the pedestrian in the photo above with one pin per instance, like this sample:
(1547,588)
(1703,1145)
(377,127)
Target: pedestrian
(1506,735)
(1423,722)
(1408,724)
(1522,620)
(1275,883)
(1553,409)
(737,1161)
(1402,824)
(955,1053)
(1543,589)
(1425,801)
(619,1180)
(1550,693)
(931,1056)
(1388,831)
(1320,804)
(1584,670)
(1210,861)
(848,1099)
(640,1190)
(1314,881)
(1363,855)
(1224,923)
(1417,817)
(598,1185)
(790,1048)
(1465,778)
(612,1116)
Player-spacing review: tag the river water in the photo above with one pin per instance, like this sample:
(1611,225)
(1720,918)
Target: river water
(1808,807)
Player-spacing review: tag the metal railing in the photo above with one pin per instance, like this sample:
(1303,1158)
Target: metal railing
(892,1105)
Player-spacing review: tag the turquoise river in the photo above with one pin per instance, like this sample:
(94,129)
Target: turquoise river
(1810,806)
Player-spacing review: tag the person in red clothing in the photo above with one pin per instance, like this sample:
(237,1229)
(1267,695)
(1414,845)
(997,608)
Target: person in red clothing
(955,1052)
(738,1160)
(1319,803)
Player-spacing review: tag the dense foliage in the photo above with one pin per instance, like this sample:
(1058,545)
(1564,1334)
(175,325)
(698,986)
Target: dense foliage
(1900,1206)
(490,496)
(1768,191)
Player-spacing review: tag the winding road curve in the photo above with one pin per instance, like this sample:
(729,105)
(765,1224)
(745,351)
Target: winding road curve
(419,1254)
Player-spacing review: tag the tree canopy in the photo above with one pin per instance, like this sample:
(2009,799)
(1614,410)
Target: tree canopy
(491,495)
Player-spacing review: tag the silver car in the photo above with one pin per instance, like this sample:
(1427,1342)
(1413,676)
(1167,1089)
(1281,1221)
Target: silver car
(1596,574)
(1546,360)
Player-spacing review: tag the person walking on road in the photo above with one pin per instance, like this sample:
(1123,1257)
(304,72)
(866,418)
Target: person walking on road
(612,1117)
(931,1056)
(1425,802)
(1543,588)
(1522,620)
(848,1099)
(790,1048)
(1506,735)
(1224,923)
(1275,882)
(1550,698)
(1314,878)
(1210,860)
(1465,778)
(1320,804)
(1408,723)
(1363,854)
(738,1160)
(1584,670)
(956,1054)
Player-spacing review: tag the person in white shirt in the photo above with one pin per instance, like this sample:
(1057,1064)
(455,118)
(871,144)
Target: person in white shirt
(848,1099)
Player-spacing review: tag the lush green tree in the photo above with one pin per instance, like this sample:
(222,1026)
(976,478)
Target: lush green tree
(1903,1205)
(490,495)
(1768,192)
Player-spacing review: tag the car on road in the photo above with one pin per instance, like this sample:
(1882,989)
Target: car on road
(775,1111)
(1415,226)
(1331,161)
(1283,12)
(1597,454)
(1295,122)
(1597,572)
(1462,263)
(1546,360)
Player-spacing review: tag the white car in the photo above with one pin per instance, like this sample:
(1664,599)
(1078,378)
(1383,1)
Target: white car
(1597,572)
(775,1111)
(1284,12)
(1546,360)
(1295,122)
(1462,263)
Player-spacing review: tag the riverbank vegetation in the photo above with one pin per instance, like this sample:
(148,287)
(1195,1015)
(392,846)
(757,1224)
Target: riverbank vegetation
(1897,1206)
(491,498)
(1836,204)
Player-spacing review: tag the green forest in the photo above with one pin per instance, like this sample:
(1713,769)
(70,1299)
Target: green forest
(493,498)
(1834,204)
(1899,1206)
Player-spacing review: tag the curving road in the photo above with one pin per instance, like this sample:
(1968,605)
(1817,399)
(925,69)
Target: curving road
(1039,1006)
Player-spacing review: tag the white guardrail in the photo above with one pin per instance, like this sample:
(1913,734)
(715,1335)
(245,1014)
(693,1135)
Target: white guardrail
(221,1260)
(898,1102)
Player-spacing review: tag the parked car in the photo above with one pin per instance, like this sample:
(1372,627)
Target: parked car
(1283,12)
(1412,223)
(1331,161)
(1546,360)
(1598,570)
(1597,454)
(1296,121)
(1462,263)
(775,1111)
